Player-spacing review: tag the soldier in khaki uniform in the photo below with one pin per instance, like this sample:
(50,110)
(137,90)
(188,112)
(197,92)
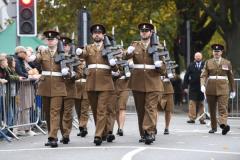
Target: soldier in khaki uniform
(81,101)
(51,86)
(122,93)
(216,82)
(145,83)
(99,83)
(69,100)
(166,103)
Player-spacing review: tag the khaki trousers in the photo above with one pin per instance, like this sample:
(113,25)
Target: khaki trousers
(82,110)
(195,108)
(52,105)
(66,117)
(111,113)
(146,106)
(46,110)
(222,103)
(99,101)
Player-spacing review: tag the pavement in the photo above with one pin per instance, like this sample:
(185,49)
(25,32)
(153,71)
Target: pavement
(185,142)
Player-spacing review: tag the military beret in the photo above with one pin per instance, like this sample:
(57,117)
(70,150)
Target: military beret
(66,40)
(217,47)
(98,28)
(19,49)
(51,34)
(145,27)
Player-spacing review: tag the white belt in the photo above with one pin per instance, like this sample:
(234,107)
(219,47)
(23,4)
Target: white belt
(81,80)
(122,77)
(218,77)
(101,66)
(144,66)
(166,80)
(49,73)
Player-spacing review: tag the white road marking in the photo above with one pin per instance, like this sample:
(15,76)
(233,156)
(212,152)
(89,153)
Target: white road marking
(122,147)
(132,153)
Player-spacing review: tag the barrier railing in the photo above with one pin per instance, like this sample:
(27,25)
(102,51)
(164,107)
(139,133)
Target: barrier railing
(19,107)
(234,109)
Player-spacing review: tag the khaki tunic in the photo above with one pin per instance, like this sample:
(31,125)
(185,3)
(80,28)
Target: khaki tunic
(50,86)
(94,83)
(145,80)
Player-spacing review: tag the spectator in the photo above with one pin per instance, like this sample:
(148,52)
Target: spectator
(196,97)
(3,80)
(20,56)
(31,60)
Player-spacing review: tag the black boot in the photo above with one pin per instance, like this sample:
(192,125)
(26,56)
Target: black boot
(84,132)
(110,137)
(80,129)
(212,130)
(48,143)
(53,142)
(225,130)
(97,141)
(120,132)
(65,140)
(148,138)
(166,131)
(142,139)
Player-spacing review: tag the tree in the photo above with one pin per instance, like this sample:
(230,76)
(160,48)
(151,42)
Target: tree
(226,15)
(202,28)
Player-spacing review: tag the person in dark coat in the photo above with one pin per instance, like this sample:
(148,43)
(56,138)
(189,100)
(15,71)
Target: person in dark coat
(20,55)
(196,97)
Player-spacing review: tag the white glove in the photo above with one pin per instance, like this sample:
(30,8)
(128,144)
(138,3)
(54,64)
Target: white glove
(131,64)
(65,71)
(170,75)
(158,64)
(128,74)
(73,74)
(232,95)
(115,74)
(185,90)
(203,89)
(79,51)
(112,62)
(130,49)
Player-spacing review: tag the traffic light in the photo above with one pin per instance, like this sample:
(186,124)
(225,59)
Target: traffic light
(26,17)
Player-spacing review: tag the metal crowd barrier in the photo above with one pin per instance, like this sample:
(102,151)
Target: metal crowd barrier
(3,116)
(19,107)
(234,109)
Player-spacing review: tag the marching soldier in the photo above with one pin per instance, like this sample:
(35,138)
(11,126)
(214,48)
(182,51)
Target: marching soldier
(166,103)
(99,83)
(81,101)
(51,85)
(216,82)
(145,83)
(122,93)
(69,100)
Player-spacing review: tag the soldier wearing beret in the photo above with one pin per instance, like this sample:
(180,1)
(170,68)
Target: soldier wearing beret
(99,83)
(216,82)
(145,83)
